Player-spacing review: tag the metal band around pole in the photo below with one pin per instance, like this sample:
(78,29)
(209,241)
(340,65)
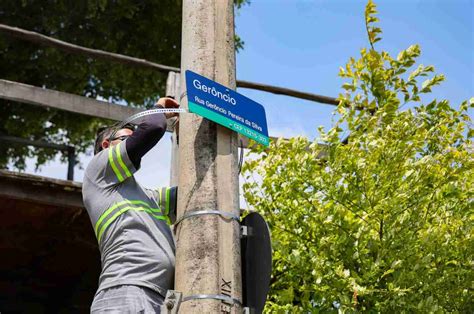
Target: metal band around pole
(152,111)
(141,114)
(220,297)
(224,215)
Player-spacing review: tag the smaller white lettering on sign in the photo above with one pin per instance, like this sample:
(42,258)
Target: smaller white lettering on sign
(199,100)
(215,107)
(236,117)
(256,126)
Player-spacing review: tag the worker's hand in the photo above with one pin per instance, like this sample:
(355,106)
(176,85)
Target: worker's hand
(167,102)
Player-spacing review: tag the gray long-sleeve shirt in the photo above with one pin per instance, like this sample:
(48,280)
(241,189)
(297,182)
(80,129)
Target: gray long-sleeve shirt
(130,222)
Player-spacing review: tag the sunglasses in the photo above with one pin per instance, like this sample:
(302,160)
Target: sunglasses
(122,138)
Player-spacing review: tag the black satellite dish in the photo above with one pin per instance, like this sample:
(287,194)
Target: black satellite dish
(256,262)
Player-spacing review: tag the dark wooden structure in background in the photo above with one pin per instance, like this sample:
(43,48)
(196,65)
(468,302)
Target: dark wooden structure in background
(50,261)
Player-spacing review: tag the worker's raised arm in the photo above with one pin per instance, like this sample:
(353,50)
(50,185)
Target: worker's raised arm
(150,129)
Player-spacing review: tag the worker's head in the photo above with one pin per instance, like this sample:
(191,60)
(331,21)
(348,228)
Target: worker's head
(110,136)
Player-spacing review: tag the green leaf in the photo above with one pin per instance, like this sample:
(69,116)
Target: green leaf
(383,222)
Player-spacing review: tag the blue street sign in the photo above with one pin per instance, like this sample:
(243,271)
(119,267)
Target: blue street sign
(222,105)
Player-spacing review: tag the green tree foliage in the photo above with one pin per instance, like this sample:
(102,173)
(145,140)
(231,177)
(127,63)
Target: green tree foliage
(148,29)
(383,223)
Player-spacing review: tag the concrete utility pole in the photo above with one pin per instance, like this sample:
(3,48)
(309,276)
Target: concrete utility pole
(208,246)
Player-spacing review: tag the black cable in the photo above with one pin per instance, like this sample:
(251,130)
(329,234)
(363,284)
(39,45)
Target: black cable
(241,159)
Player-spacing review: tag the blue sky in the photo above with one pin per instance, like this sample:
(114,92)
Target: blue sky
(301,44)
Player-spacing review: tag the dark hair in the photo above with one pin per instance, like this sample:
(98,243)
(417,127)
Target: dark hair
(108,131)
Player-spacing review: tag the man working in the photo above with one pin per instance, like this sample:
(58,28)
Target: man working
(130,222)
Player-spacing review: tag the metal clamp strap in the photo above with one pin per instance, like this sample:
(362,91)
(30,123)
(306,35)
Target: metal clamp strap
(152,111)
(220,297)
(224,215)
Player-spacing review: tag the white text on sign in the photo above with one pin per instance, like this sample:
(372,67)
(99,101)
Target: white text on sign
(228,113)
(214,92)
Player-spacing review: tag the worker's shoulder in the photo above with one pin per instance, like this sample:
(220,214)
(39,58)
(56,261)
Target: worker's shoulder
(97,165)
(98,160)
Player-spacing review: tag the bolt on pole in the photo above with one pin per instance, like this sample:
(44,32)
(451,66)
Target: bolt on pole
(208,265)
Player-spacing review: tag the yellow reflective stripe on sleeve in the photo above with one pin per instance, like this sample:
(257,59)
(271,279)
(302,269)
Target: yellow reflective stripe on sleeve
(121,163)
(159,197)
(167,210)
(123,210)
(114,166)
(134,202)
(164,199)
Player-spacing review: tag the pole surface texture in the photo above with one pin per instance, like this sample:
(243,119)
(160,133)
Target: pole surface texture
(208,246)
